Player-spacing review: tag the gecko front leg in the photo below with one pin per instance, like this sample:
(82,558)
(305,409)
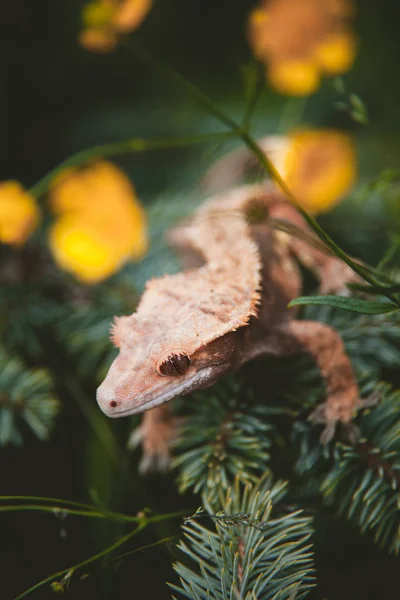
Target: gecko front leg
(327,348)
(155,434)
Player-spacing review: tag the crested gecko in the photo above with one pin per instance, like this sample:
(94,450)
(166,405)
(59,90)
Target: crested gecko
(228,307)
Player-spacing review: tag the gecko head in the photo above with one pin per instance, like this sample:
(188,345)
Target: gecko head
(151,369)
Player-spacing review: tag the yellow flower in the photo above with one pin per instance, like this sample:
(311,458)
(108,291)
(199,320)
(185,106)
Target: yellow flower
(101,224)
(336,54)
(294,77)
(300,41)
(79,248)
(19,214)
(319,167)
(98,40)
(131,14)
(105,20)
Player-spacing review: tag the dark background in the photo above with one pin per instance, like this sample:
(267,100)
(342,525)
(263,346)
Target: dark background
(55,99)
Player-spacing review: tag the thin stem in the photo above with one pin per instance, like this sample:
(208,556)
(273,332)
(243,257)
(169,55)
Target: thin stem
(46,499)
(90,511)
(146,547)
(379,289)
(83,563)
(293,109)
(256,92)
(142,524)
(201,98)
(53,509)
(125,147)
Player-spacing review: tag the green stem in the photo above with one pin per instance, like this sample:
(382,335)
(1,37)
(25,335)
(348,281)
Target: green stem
(124,147)
(291,115)
(84,510)
(165,540)
(46,499)
(379,289)
(142,524)
(83,563)
(255,95)
(201,98)
(91,511)
(52,509)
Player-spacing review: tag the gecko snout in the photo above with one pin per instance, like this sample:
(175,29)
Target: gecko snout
(107,402)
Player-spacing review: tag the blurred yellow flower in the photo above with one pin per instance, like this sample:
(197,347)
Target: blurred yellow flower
(101,223)
(336,53)
(300,41)
(79,248)
(131,14)
(19,213)
(294,77)
(319,167)
(98,40)
(105,20)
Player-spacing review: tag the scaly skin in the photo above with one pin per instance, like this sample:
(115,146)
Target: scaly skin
(193,327)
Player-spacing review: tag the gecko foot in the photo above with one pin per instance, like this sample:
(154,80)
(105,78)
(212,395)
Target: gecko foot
(341,408)
(336,275)
(156,439)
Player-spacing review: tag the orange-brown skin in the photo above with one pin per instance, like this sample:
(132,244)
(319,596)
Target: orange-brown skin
(193,327)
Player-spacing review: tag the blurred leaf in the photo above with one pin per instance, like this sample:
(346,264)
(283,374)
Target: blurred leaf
(358,110)
(26,396)
(352,304)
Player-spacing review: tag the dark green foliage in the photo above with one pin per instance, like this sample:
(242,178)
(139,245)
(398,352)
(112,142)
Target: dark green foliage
(224,437)
(25,314)
(360,480)
(84,331)
(364,483)
(254,549)
(26,401)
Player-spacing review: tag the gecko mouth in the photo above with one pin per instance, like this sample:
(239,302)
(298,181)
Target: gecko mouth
(184,387)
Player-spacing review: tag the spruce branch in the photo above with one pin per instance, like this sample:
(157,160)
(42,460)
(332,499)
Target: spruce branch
(223,437)
(26,398)
(254,549)
(364,483)
(361,480)
(26,312)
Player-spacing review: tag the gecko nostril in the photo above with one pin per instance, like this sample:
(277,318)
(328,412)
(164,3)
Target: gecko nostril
(113,403)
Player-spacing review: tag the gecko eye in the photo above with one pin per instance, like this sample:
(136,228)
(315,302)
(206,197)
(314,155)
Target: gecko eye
(174,364)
